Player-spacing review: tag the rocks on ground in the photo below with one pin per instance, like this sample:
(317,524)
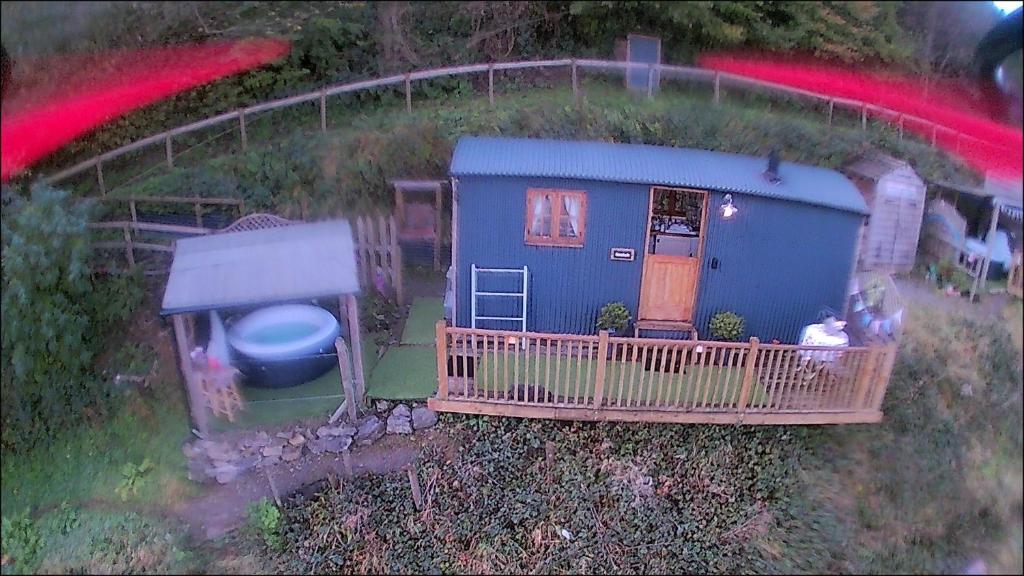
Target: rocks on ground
(225,461)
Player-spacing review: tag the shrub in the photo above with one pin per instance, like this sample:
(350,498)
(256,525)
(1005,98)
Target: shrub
(727,326)
(264,520)
(614,316)
(55,317)
(132,477)
(20,542)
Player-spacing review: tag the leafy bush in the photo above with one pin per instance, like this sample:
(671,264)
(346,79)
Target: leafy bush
(614,316)
(727,326)
(132,477)
(20,542)
(264,520)
(55,317)
(616,498)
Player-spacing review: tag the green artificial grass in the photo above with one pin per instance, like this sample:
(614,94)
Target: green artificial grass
(405,373)
(423,315)
(626,383)
(317,398)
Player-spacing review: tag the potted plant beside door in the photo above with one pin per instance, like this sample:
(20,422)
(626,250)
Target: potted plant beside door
(726,326)
(615,318)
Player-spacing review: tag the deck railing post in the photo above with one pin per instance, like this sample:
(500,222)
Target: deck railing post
(748,376)
(441,338)
(602,365)
(868,369)
(884,375)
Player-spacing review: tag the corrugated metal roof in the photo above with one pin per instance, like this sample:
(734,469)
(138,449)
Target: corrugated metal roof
(261,266)
(645,164)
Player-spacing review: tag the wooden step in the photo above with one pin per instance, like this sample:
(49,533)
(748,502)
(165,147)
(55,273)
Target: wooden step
(669,325)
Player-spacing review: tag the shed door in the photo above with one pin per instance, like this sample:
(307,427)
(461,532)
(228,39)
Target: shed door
(672,262)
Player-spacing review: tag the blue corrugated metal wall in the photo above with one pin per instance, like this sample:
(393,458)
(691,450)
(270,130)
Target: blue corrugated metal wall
(778,263)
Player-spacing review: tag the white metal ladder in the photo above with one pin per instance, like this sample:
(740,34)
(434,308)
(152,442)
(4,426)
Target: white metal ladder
(521,295)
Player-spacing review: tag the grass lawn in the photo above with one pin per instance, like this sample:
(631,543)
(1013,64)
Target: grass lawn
(85,463)
(423,315)
(625,383)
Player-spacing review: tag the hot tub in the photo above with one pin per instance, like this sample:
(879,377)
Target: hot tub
(286,345)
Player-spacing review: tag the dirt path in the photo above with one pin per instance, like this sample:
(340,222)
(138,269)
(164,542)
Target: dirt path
(221,508)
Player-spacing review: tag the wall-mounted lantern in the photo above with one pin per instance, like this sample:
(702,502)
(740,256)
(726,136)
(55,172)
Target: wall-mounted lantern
(727,208)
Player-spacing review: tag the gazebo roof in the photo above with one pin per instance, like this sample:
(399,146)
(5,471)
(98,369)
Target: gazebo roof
(296,262)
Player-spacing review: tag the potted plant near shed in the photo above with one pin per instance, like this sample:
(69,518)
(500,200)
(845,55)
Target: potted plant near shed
(615,318)
(727,326)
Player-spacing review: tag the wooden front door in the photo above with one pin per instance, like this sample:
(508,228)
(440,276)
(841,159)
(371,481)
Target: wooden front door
(671,270)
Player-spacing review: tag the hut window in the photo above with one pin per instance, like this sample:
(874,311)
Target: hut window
(555,217)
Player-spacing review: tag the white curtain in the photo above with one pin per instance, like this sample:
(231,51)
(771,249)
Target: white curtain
(541,207)
(572,209)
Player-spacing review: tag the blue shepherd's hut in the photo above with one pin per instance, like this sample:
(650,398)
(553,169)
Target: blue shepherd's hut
(546,232)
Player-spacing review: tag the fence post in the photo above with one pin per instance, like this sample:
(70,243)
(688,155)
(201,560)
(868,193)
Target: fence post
(575,81)
(408,94)
(345,365)
(323,110)
(441,339)
(170,151)
(241,129)
(831,110)
(748,376)
(650,81)
(934,134)
(128,249)
(490,83)
(901,126)
(99,177)
(602,364)
(718,87)
(864,117)
(131,208)
(199,214)
(396,260)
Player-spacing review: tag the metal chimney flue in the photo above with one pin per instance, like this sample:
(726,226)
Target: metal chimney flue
(772,173)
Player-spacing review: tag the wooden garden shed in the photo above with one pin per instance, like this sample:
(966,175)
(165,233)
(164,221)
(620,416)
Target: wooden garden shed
(895,196)
(234,270)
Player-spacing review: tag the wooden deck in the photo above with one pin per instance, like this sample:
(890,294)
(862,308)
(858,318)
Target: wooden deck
(572,377)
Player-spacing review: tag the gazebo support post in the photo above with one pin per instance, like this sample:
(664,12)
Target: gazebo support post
(352,311)
(196,400)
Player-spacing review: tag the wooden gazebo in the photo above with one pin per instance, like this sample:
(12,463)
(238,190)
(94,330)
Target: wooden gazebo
(252,267)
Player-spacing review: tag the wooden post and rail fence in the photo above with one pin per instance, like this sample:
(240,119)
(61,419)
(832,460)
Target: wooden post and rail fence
(574,377)
(664,72)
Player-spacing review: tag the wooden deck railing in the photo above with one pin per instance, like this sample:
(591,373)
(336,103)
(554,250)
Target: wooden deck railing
(1015,280)
(565,376)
